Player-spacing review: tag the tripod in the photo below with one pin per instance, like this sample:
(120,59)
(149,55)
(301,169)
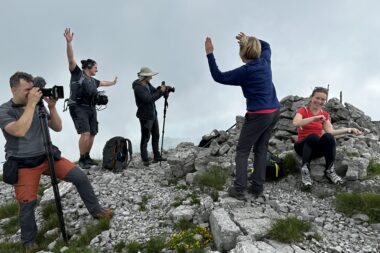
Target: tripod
(166,105)
(49,152)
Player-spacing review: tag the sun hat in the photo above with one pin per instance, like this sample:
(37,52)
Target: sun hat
(145,71)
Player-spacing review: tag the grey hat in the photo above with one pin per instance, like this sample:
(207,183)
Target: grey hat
(145,71)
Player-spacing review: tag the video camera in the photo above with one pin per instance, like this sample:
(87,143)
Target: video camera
(101,98)
(168,89)
(56,92)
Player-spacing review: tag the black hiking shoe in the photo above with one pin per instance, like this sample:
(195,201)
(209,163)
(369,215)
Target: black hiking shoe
(146,163)
(90,161)
(232,192)
(159,159)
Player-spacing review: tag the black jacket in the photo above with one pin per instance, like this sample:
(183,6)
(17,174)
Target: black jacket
(146,109)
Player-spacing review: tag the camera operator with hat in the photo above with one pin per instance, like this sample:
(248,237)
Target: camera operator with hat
(27,158)
(146,95)
(83,93)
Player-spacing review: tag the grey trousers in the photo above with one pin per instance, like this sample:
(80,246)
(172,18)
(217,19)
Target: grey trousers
(255,133)
(79,179)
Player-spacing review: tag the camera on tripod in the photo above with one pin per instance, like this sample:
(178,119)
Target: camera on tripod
(168,89)
(55,92)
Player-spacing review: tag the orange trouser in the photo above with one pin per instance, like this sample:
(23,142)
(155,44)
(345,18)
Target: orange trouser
(29,178)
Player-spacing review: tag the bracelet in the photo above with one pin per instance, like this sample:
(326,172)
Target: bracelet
(349,130)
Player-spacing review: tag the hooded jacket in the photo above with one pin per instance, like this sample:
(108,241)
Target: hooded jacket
(145,96)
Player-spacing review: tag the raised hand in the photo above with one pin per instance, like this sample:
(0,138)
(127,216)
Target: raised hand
(69,35)
(242,38)
(115,80)
(209,46)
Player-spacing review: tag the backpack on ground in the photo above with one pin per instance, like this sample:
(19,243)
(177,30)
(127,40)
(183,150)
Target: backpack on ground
(274,168)
(117,154)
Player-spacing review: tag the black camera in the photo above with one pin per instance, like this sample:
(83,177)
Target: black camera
(101,98)
(55,92)
(168,89)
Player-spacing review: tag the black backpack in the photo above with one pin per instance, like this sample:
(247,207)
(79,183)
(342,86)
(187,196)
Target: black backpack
(274,169)
(117,154)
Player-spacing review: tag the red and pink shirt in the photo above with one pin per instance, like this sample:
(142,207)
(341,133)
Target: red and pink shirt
(315,127)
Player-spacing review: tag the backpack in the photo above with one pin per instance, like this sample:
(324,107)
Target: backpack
(117,154)
(274,168)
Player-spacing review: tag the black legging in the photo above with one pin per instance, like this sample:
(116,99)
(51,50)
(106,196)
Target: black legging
(314,146)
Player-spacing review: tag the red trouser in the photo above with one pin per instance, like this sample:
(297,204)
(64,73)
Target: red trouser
(29,178)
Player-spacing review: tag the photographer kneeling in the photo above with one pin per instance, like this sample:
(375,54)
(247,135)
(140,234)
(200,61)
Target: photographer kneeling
(26,155)
(146,95)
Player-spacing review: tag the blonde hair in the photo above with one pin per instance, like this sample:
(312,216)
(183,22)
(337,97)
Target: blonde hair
(250,48)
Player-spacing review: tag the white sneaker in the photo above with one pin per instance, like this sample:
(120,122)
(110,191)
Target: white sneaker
(305,176)
(331,174)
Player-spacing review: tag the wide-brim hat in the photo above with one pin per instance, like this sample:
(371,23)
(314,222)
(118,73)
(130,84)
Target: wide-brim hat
(145,71)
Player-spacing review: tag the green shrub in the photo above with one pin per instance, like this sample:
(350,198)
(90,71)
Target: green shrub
(134,247)
(216,178)
(289,230)
(11,226)
(184,225)
(186,240)
(119,246)
(353,203)
(289,163)
(10,209)
(155,244)
(373,168)
(7,247)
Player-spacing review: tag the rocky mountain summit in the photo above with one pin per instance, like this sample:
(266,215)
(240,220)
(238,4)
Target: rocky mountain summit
(149,201)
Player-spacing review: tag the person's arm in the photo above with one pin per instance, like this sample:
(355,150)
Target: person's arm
(233,77)
(69,35)
(265,50)
(142,93)
(55,122)
(328,127)
(108,83)
(20,127)
(299,121)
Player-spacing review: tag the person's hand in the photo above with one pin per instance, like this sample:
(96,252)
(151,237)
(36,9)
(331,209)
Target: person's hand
(242,38)
(354,131)
(163,88)
(320,118)
(50,101)
(115,80)
(208,46)
(69,35)
(34,96)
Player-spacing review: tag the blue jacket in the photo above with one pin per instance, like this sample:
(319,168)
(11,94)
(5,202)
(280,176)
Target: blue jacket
(255,79)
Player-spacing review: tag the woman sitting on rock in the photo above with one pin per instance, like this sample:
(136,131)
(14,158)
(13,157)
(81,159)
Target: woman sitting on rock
(316,136)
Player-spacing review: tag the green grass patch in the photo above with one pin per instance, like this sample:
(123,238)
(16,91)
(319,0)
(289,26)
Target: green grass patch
(289,230)
(194,198)
(11,226)
(144,202)
(365,203)
(181,187)
(177,202)
(7,247)
(10,209)
(119,246)
(216,178)
(155,244)
(373,168)
(289,163)
(134,247)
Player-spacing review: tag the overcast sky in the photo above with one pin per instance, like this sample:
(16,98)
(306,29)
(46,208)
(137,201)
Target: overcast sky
(314,43)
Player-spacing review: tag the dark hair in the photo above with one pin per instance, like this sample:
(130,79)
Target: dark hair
(320,89)
(89,63)
(16,77)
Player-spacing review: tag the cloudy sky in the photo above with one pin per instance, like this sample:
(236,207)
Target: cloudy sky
(314,43)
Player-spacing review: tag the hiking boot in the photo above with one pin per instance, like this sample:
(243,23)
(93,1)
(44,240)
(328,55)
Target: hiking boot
(90,162)
(106,213)
(30,247)
(257,196)
(83,163)
(305,177)
(232,192)
(146,163)
(159,159)
(332,176)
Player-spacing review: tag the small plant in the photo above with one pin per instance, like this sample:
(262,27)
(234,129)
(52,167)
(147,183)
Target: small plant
(181,187)
(353,203)
(155,244)
(193,238)
(216,178)
(177,201)
(214,194)
(10,209)
(134,247)
(194,198)
(289,230)
(145,199)
(184,225)
(12,226)
(373,168)
(119,246)
(289,163)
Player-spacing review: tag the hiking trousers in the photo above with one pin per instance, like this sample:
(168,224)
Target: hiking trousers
(255,133)
(149,127)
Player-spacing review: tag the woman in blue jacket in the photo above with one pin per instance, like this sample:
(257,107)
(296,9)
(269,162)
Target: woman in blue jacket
(255,80)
